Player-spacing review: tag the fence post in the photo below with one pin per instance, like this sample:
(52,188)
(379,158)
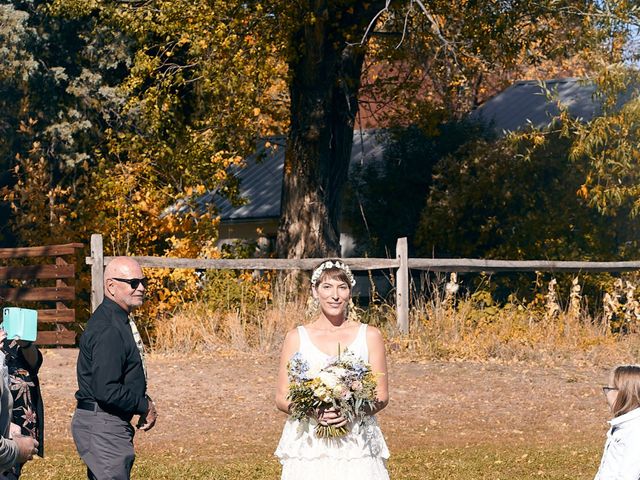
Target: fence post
(97,271)
(402,285)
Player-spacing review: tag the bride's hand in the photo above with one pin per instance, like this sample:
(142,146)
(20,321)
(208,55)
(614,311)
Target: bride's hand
(331,416)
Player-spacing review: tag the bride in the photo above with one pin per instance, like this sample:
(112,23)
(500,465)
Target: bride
(362,453)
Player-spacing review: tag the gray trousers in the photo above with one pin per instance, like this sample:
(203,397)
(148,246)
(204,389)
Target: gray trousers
(105,444)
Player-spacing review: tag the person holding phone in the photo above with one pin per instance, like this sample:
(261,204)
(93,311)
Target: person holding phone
(23,360)
(15,448)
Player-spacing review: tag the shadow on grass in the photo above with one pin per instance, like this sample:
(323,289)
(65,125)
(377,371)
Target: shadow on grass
(477,462)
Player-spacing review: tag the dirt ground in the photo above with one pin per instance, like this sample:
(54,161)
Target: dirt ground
(223,404)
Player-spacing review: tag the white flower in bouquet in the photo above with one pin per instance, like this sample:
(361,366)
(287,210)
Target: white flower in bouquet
(322,393)
(329,379)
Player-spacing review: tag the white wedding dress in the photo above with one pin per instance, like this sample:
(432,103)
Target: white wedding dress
(359,455)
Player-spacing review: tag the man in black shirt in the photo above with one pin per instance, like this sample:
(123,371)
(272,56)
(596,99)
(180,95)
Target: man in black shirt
(112,381)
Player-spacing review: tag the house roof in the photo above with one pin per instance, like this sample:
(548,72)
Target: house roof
(260,184)
(529,102)
(261,179)
(523,103)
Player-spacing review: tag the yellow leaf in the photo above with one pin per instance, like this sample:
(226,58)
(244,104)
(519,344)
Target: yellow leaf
(583,191)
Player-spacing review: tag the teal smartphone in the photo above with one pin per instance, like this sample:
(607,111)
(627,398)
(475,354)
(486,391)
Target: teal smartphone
(21,323)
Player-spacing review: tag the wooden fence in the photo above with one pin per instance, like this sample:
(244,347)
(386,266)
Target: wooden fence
(61,271)
(401,265)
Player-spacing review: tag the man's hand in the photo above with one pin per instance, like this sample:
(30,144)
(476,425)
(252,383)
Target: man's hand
(27,448)
(148,420)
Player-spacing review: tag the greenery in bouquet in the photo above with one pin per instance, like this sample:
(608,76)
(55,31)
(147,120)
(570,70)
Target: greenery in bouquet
(345,383)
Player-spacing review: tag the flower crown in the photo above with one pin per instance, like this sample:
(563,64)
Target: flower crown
(317,273)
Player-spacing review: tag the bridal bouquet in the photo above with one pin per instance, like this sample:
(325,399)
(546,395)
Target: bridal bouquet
(345,383)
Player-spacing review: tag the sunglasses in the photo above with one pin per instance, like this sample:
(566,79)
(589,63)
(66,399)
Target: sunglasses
(134,283)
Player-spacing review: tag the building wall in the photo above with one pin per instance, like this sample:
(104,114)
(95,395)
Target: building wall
(263,233)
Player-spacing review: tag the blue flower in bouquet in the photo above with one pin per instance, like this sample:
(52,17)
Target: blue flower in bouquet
(298,368)
(359,369)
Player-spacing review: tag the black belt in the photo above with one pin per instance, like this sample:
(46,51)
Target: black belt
(91,406)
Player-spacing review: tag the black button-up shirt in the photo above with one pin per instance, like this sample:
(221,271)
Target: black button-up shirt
(109,368)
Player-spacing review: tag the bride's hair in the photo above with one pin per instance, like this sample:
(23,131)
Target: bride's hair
(626,378)
(333,269)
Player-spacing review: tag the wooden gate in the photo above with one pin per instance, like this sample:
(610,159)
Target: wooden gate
(20,284)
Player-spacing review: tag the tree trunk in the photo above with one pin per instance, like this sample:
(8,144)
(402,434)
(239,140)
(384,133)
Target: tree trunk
(325,77)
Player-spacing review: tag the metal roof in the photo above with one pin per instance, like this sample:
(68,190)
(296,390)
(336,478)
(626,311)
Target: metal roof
(260,184)
(527,102)
(261,178)
(523,103)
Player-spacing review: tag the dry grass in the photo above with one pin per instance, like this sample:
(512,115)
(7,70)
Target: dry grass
(199,328)
(441,329)
(507,333)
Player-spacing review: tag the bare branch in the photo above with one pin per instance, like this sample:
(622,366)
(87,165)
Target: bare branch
(404,28)
(372,23)
(133,3)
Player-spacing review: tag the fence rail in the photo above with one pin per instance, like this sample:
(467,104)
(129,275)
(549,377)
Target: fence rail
(402,264)
(252,263)
(489,266)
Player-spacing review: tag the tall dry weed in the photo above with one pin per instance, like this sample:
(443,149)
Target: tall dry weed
(443,326)
(200,328)
(193,328)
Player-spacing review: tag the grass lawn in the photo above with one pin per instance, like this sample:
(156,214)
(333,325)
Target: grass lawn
(461,463)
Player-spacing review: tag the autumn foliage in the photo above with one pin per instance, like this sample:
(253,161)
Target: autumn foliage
(116,117)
